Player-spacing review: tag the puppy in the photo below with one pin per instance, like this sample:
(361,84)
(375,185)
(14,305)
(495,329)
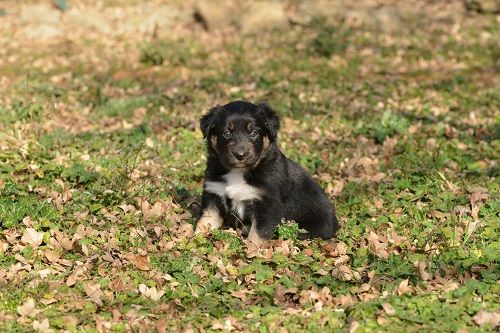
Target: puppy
(250,183)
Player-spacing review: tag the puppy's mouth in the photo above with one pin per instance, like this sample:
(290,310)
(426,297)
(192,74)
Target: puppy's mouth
(238,165)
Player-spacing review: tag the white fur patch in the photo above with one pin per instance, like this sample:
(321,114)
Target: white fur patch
(235,188)
(210,220)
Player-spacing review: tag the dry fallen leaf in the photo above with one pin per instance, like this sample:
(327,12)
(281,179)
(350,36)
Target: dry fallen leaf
(483,318)
(151,293)
(76,276)
(32,237)
(42,326)
(341,260)
(376,246)
(27,308)
(43,273)
(52,256)
(389,310)
(161,325)
(140,261)
(403,288)
(64,240)
(424,275)
(353,327)
(227,325)
(378,203)
(94,292)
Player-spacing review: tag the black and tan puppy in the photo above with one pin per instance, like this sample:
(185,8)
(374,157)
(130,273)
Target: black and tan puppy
(250,183)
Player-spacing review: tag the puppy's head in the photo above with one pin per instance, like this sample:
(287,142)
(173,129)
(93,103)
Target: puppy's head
(240,132)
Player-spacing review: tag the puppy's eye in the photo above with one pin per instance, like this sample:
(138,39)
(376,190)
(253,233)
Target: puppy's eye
(226,134)
(254,134)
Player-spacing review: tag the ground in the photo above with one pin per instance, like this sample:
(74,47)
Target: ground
(102,161)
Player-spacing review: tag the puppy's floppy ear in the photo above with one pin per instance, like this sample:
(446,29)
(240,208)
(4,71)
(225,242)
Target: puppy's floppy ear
(207,120)
(271,119)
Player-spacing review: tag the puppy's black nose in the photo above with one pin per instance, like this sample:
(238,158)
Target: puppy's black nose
(240,154)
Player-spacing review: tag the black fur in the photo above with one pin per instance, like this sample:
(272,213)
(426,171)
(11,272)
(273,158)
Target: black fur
(286,190)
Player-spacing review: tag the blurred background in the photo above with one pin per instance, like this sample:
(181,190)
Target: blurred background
(357,83)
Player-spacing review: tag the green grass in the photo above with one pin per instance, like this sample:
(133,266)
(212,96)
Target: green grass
(108,167)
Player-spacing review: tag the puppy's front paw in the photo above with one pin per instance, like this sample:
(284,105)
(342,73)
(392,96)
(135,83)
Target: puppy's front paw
(210,220)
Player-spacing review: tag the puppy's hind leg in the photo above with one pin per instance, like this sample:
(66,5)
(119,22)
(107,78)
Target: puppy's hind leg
(264,222)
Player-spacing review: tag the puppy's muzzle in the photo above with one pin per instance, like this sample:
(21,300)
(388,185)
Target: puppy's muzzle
(241,156)
(240,153)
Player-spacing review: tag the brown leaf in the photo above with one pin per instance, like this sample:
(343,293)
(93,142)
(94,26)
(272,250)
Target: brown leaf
(64,240)
(378,203)
(341,260)
(475,212)
(377,247)
(42,327)
(329,247)
(483,318)
(241,294)
(185,230)
(151,293)
(81,215)
(307,296)
(161,325)
(389,310)
(94,292)
(117,284)
(32,237)
(353,327)
(52,256)
(76,276)
(308,252)
(381,321)
(450,286)
(424,275)
(47,301)
(70,321)
(479,194)
(281,291)
(27,308)
(140,261)
(335,188)
(403,288)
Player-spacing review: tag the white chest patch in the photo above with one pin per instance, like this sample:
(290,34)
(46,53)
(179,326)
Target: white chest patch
(235,188)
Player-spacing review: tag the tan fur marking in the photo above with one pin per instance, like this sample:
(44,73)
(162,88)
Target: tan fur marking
(213,141)
(231,126)
(210,220)
(266,142)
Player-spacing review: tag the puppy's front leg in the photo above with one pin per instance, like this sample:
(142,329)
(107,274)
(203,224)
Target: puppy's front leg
(211,217)
(264,222)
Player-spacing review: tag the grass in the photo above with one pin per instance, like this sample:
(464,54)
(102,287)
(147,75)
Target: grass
(105,164)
